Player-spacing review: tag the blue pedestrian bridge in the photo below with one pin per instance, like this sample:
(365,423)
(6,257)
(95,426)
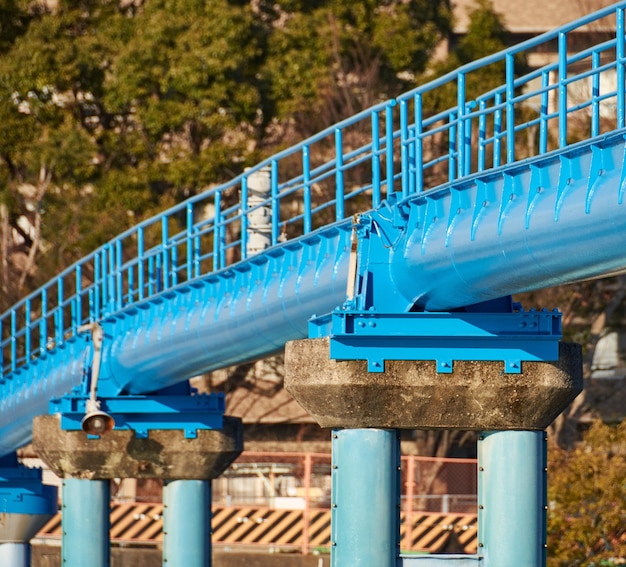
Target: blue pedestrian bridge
(447,197)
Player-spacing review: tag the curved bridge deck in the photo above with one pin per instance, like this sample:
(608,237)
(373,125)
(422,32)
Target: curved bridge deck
(490,193)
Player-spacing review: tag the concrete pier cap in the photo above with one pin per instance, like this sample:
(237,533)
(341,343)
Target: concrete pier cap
(477,395)
(165,454)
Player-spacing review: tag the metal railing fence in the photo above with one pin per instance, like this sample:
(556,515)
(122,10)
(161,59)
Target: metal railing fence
(303,480)
(437,133)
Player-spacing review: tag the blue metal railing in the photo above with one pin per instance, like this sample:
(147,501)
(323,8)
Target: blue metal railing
(406,145)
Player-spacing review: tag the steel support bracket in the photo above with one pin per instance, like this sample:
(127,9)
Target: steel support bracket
(22,492)
(443,337)
(145,413)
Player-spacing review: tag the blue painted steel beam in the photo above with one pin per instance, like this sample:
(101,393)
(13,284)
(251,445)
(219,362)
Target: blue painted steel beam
(488,234)
(85,520)
(26,504)
(187,523)
(235,315)
(508,231)
(444,337)
(144,413)
(365,515)
(502,232)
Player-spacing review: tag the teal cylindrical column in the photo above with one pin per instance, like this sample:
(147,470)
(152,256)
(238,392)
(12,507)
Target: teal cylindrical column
(85,521)
(365,498)
(512,498)
(15,554)
(187,523)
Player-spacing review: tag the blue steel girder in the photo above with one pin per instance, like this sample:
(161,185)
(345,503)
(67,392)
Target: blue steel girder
(237,314)
(491,231)
(243,313)
(22,492)
(488,239)
(144,413)
(443,337)
(546,221)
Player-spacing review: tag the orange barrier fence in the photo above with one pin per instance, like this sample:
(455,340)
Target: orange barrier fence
(142,524)
(282,500)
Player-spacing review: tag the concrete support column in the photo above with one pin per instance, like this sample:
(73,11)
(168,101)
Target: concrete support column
(365,498)
(15,554)
(187,523)
(512,498)
(187,464)
(514,408)
(85,518)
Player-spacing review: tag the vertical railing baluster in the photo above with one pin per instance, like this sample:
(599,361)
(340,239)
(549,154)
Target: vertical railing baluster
(14,340)
(104,277)
(404,147)
(27,330)
(468,145)
(376,189)
(497,131)
(165,253)
(77,302)
(275,202)
(92,305)
(158,272)
(119,275)
(306,171)
(174,264)
(130,283)
(482,136)
(543,119)
(59,313)
(190,242)
(43,322)
(419,143)
(452,149)
(620,30)
(460,105)
(112,289)
(595,94)
(197,249)
(140,263)
(339,177)
(152,275)
(218,261)
(510,107)
(412,163)
(244,217)
(389,155)
(563,89)
(97,289)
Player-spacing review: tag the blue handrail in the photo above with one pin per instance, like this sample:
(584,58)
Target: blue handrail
(408,144)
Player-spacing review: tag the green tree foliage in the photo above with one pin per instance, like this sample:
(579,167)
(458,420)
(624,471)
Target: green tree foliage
(121,109)
(587,500)
(112,110)
(486,34)
(329,59)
